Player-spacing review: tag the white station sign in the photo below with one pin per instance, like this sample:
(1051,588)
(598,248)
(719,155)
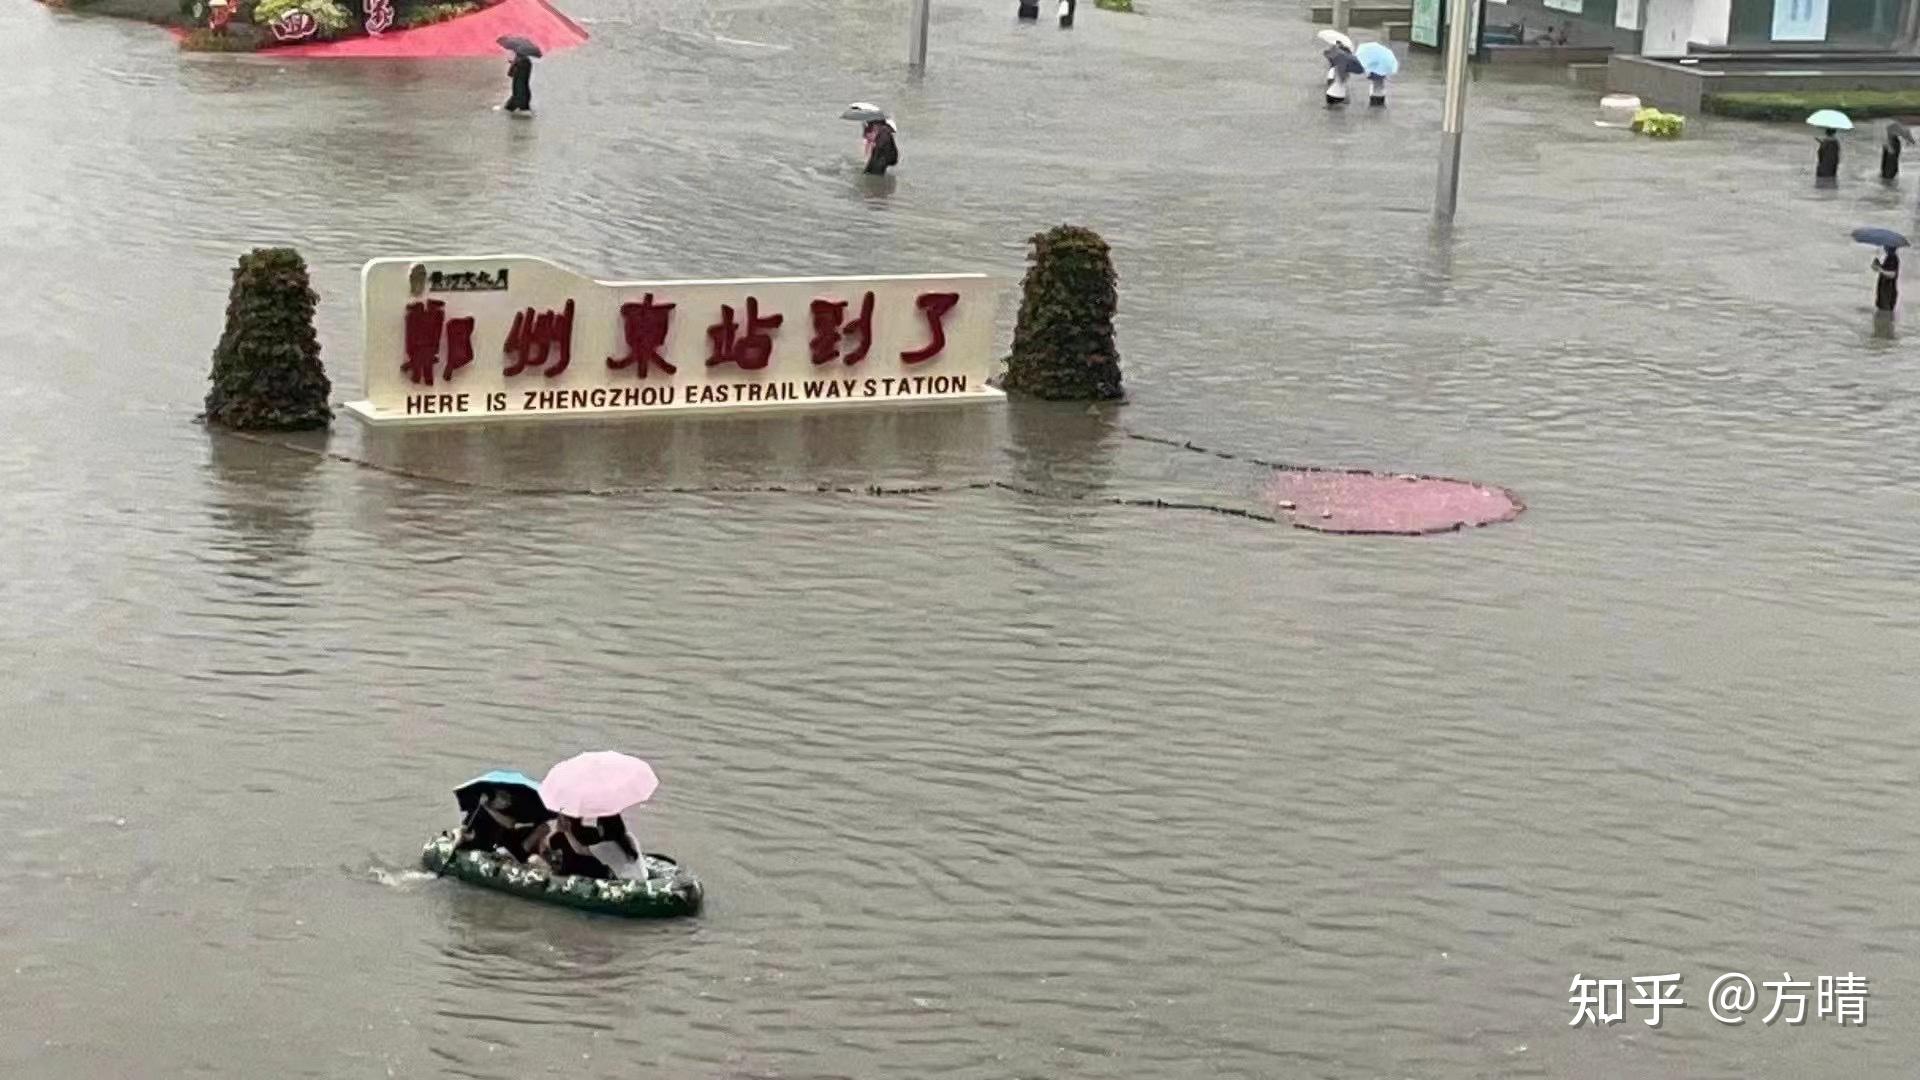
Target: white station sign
(473,338)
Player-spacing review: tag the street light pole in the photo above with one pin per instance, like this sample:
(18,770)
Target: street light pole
(1453,110)
(917,34)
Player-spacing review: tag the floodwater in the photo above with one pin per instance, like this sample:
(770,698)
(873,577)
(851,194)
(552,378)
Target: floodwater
(983,783)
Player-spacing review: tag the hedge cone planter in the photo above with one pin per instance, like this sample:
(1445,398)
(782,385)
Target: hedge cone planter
(1063,344)
(266,370)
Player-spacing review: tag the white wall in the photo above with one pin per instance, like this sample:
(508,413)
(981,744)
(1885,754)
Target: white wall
(1710,21)
(1672,24)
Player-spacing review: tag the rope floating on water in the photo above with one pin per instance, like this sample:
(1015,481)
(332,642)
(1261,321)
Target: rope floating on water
(884,491)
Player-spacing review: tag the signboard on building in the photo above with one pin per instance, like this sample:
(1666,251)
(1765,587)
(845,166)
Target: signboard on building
(473,338)
(1430,20)
(1799,20)
(1426,24)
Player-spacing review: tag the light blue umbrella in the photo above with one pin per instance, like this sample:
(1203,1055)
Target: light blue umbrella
(1832,119)
(1378,59)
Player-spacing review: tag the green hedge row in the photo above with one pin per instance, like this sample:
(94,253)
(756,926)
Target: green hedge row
(1857,104)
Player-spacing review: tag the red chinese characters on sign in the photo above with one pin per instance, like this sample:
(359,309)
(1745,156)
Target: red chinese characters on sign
(830,330)
(751,350)
(534,335)
(426,321)
(935,306)
(645,326)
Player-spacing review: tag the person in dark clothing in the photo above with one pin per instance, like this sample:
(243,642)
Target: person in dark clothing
(492,826)
(520,71)
(1886,291)
(564,845)
(1029,10)
(1827,161)
(883,152)
(1340,64)
(1890,152)
(1066,14)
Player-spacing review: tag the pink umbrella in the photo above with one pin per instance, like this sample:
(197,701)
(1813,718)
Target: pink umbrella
(599,784)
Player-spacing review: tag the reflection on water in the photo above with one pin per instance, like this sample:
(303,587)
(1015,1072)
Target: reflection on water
(262,504)
(987,782)
(1062,448)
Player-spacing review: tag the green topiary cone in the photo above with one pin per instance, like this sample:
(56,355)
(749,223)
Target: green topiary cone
(266,370)
(1063,344)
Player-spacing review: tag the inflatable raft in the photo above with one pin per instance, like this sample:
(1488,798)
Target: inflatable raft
(668,891)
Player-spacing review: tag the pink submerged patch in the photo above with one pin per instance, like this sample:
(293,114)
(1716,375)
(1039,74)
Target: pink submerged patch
(1384,504)
(472,35)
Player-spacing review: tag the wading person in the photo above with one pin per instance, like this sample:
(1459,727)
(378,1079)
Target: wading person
(1897,134)
(1886,288)
(520,79)
(1340,64)
(883,152)
(1826,161)
(1376,91)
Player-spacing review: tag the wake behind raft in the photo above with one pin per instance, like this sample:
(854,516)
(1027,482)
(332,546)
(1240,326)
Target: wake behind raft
(513,842)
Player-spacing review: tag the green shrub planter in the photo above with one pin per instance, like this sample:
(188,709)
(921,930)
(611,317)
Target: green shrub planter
(1794,107)
(266,370)
(1063,344)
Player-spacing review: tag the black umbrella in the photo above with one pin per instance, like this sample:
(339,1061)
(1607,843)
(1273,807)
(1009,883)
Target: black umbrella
(1884,238)
(522,789)
(520,46)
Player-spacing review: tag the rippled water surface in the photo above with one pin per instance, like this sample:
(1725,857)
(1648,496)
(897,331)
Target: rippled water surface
(983,783)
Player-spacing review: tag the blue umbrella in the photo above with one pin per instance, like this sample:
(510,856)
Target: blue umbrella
(1884,238)
(523,789)
(1832,119)
(1378,59)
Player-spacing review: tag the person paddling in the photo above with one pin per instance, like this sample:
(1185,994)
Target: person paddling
(491,826)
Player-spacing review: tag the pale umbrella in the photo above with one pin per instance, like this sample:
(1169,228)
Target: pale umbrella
(1377,59)
(597,784)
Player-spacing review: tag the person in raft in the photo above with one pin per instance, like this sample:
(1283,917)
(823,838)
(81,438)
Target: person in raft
(603,850)
(520,75)
(492,827)
(883,152)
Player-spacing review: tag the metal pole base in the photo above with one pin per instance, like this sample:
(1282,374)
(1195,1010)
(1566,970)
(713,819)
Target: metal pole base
(1446,196)
(920,16)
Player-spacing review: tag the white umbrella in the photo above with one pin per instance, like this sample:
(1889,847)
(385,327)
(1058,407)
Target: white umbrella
(1335,37)
(864,112)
